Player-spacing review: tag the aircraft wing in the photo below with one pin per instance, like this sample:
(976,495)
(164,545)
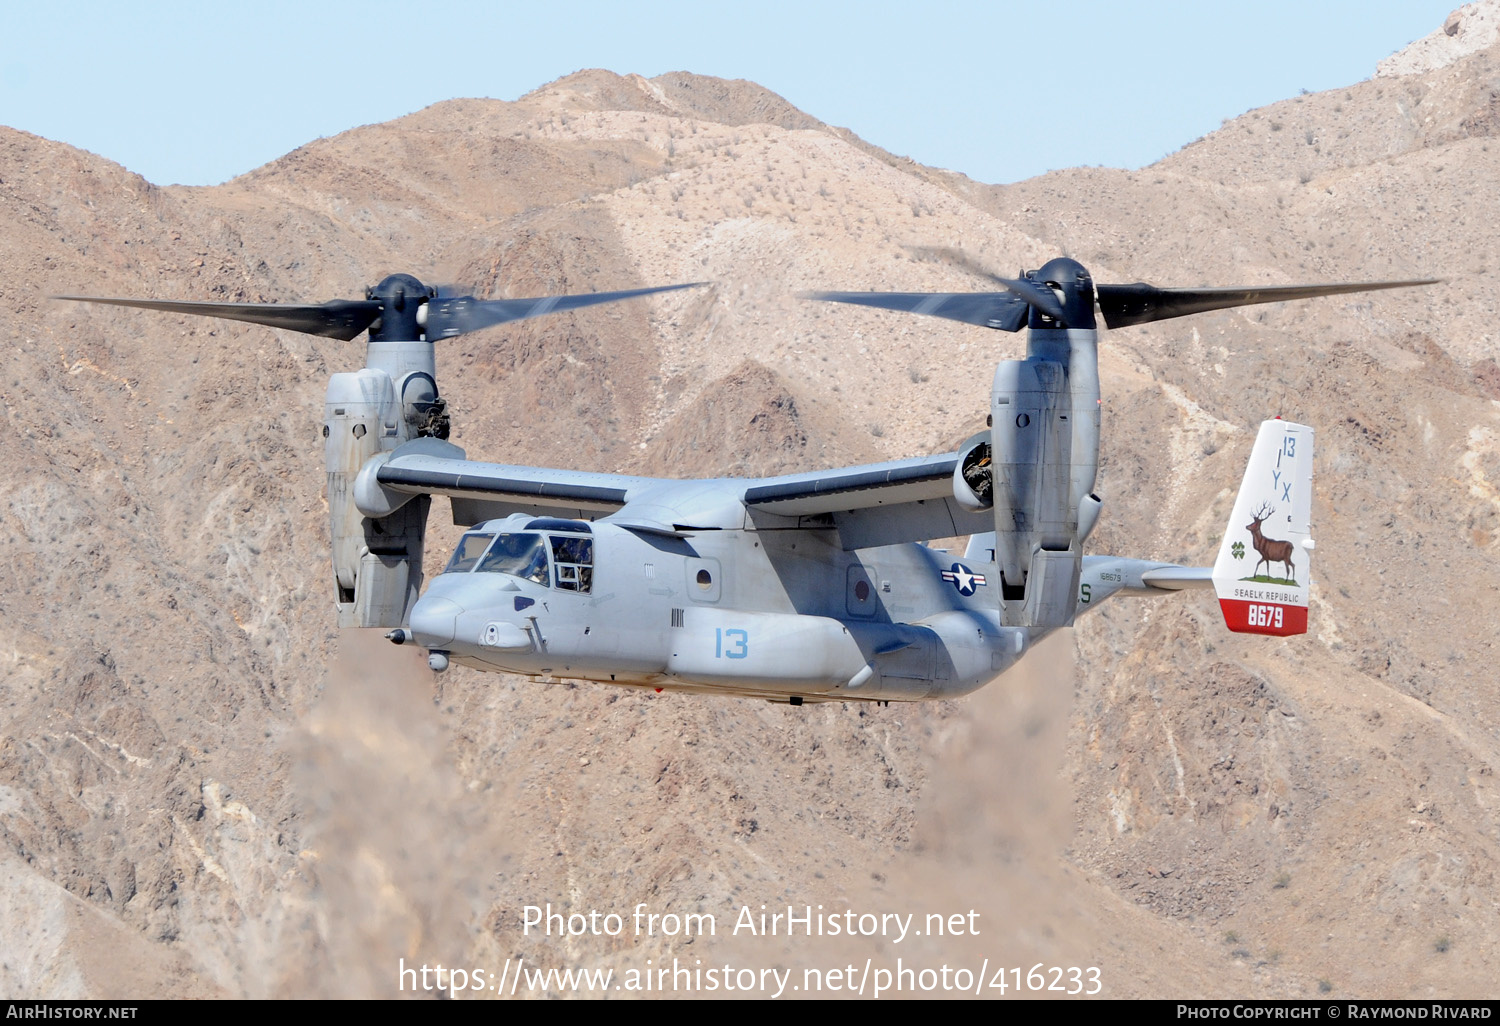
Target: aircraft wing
(876,504)
(871,505)
(483,491)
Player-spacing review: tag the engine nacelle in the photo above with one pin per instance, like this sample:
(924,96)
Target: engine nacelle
(360,408)
(974,476)
(377,563)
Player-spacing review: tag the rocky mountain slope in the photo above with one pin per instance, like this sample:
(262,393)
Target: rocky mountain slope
(206,790)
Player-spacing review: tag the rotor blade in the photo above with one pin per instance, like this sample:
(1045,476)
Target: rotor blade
(1034,293)
(340,318)
(1124,305)
(459,315)
(1004,311)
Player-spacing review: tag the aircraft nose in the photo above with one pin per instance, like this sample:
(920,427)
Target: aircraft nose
(434,621)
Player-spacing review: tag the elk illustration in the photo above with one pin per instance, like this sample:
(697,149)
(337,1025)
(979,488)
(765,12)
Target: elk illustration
(1271,550)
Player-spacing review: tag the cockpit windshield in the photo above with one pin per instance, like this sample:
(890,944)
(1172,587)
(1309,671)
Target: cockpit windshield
(524,554)
(519,555)
(470,547)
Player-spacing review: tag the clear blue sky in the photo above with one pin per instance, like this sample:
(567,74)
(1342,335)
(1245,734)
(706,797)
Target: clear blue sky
(197,93)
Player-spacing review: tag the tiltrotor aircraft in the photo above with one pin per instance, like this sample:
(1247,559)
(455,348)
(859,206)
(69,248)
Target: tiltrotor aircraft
(801,588)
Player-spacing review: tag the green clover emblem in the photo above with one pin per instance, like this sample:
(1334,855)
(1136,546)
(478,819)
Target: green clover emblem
(1238,550)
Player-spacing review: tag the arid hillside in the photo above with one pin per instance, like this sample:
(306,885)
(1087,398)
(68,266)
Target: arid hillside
(206,790)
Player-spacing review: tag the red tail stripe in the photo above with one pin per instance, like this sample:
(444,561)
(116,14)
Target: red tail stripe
(1273,618)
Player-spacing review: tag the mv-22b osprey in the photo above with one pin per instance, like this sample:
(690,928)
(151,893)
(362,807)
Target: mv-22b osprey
(801,588)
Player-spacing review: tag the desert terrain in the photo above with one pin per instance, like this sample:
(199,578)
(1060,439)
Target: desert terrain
(206,790)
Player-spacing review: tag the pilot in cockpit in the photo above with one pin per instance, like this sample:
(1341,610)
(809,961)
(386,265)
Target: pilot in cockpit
(536,569)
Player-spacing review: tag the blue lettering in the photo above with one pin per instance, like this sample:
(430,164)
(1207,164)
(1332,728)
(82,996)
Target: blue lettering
(739,643)
(743,648)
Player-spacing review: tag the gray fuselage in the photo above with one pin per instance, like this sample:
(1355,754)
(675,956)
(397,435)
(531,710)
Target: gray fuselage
(773,613)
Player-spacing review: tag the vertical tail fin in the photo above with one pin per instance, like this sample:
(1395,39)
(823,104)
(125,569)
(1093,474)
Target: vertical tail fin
(1264,567)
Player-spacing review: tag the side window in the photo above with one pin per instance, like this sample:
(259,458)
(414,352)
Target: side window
(574,562)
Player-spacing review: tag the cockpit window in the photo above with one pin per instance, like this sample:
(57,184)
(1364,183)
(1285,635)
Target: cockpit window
(558,524)
(574,558)
(519,555)
(524,554)
(470,547)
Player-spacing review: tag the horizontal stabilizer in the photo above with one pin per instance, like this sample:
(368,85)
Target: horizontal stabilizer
(1179,578)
